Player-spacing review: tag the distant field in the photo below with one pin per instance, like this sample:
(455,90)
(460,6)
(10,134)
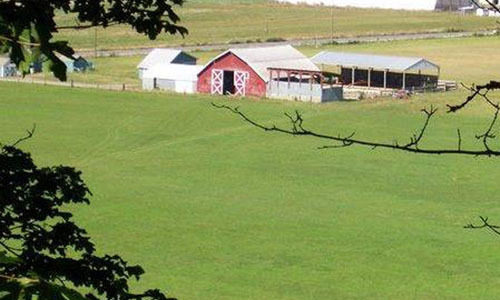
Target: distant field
(460,59)
(241,21)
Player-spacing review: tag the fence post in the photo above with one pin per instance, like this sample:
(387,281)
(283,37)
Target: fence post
(123,87)
(72,83)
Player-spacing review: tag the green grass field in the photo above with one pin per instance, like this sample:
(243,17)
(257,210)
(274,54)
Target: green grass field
(241,21)
(216,209)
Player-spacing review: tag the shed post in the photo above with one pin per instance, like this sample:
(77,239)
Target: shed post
(369,77)
(288,75)
(311,77)
(404,80)
(278,81)
(353,75)
(300,79)
(385,78)
(270,85)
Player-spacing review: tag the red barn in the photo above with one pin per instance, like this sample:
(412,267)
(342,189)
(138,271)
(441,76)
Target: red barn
(246,71)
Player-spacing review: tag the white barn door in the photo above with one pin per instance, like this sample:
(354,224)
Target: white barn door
(217,81)
(240,84)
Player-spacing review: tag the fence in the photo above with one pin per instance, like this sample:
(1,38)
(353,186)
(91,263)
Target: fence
(73,84)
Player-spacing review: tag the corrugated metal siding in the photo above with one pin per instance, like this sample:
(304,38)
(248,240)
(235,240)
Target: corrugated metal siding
(452,4)
(165,84)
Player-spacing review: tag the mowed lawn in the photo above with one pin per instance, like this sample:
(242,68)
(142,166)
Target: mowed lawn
(216,209)
(243,21)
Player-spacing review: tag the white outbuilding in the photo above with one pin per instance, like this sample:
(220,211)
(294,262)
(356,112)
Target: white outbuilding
(7,68)
(172,77)
(164,56)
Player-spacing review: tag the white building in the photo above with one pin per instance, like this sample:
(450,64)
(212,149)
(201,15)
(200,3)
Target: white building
(173,77)
(7,68)
(164,56)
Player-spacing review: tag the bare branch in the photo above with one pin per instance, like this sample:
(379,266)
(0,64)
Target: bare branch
(485,224)
(480,90)
(29,134)
(494,6)
(485,137)
(298,129)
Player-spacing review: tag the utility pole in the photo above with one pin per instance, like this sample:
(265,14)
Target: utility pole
(95,42)
(331,12)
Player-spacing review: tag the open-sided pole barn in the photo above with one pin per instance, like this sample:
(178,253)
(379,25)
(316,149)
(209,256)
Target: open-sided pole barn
(380,71)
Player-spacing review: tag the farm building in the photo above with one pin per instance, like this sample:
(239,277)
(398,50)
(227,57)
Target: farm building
(79,64)
(174,77)
(164,56)
(276,72)
(389,4)
(7,68)
(391,72)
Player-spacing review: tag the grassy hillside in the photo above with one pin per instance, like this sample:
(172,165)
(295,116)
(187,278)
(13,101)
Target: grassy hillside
(215,209)
(240,21)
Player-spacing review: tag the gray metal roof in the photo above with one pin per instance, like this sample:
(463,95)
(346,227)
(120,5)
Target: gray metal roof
(378,62)
(157,56)
(262,58)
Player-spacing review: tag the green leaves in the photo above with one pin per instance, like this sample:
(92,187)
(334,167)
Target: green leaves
(27,27)
(50,247)
(6,259)
(25,288)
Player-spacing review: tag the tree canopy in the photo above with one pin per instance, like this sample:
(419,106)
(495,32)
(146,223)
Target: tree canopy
(27,27)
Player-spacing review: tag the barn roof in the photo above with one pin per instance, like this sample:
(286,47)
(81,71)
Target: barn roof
(380,62)
(158,56)
(173,71)
(262,58)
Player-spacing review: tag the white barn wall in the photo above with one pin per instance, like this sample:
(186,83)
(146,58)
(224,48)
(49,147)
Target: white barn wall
(385,4)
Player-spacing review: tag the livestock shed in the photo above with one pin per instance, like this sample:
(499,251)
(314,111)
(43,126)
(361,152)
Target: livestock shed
(389,4)
(247,72)
(163,56)
(394,72)
(7,68)
(173,77)
(79,64)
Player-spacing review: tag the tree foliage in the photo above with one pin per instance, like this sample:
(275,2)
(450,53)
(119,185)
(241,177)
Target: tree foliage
(27,27)
(43,253)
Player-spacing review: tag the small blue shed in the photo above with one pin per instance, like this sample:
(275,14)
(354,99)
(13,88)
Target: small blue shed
(79,64)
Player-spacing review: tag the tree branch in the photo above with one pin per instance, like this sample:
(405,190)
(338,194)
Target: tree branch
(29,134)
(298,129)
(494,228)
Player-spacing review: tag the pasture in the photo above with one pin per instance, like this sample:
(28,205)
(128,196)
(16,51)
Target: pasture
(216,209)
(258,20)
